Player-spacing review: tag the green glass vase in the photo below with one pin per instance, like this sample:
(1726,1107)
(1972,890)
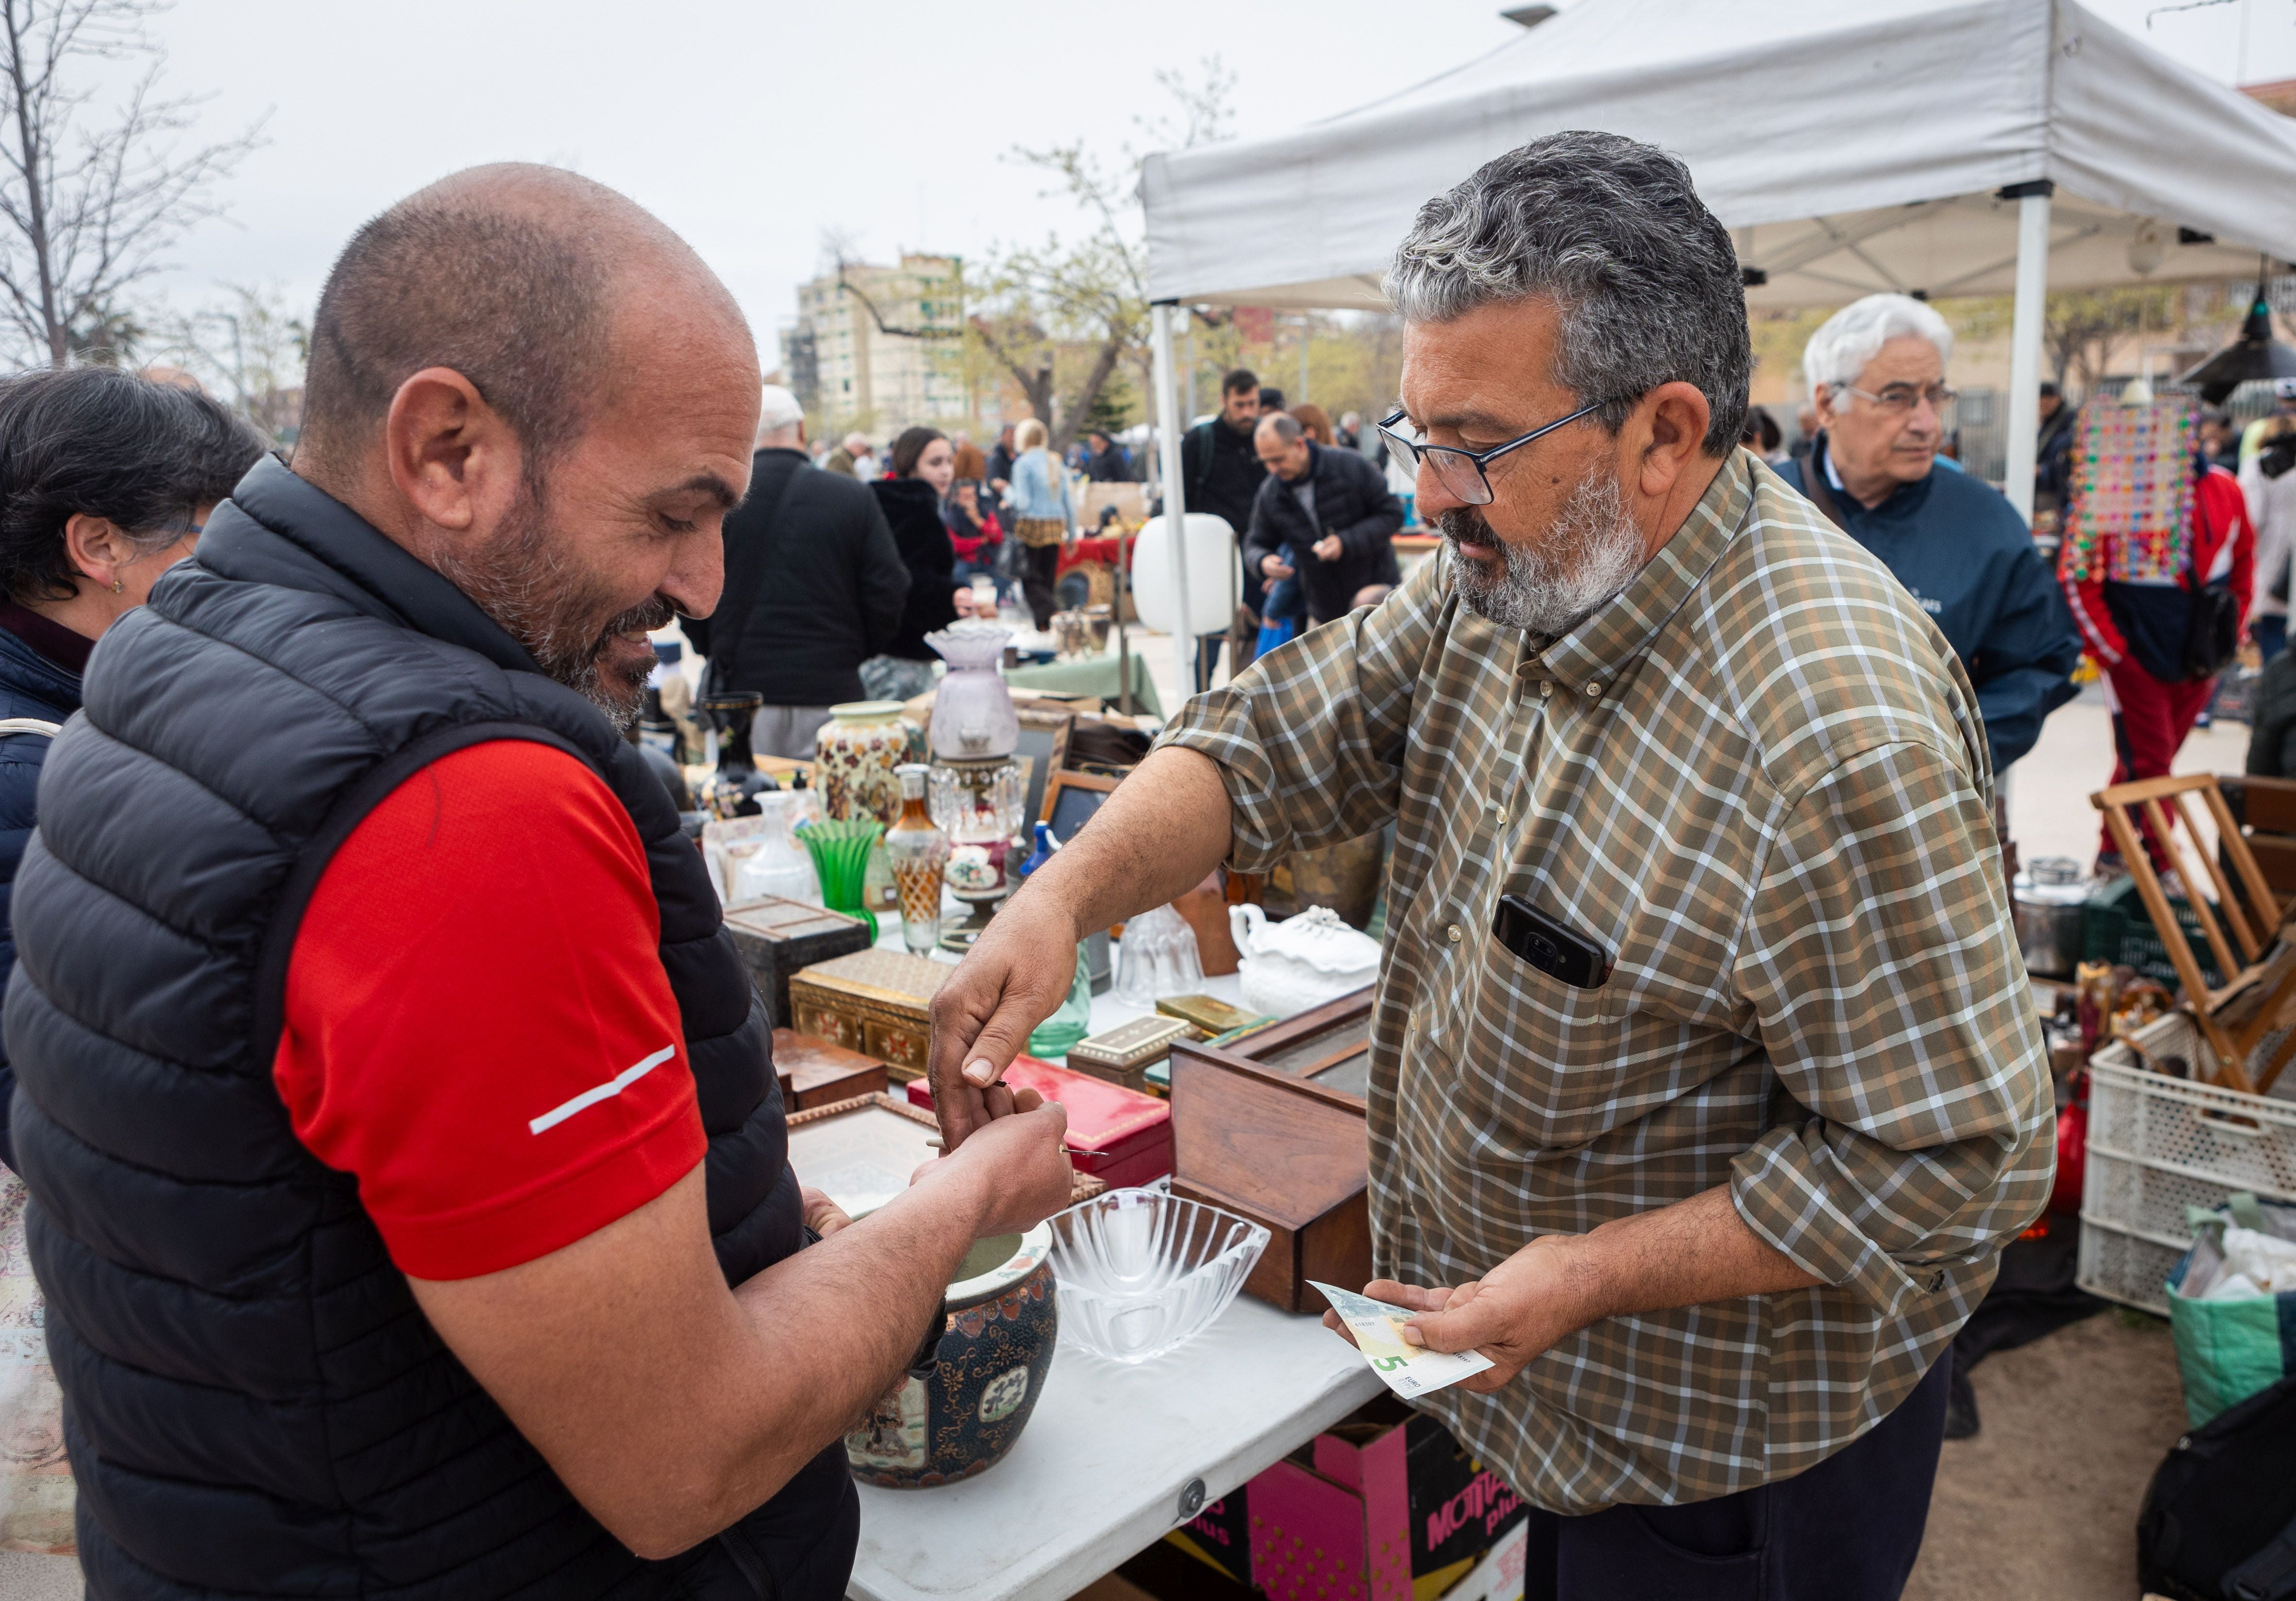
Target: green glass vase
(841,860)
(1052,1038)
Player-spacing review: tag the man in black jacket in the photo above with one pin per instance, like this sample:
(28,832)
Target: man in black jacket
(1330,509)
(814,588)
(1104,462)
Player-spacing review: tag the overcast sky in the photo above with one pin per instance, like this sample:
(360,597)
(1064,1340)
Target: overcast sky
(752,125)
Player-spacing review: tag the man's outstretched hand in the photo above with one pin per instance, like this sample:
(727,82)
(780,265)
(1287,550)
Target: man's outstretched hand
(1533,1299)
(1017,975)
(1697,1250)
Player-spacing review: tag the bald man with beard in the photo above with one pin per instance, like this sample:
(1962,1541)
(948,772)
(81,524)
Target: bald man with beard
(410,1184)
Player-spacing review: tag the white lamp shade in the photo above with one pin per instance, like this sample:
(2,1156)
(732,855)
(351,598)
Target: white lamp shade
(1210,550)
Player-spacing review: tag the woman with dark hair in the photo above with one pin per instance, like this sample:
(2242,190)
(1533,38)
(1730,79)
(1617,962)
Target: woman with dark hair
(1762,435)
(923,466)
(105,481)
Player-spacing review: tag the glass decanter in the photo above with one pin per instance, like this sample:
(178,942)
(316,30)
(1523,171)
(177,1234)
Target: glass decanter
(919,852)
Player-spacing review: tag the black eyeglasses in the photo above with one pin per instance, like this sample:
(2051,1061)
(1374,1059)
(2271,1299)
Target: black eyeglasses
(1460,472)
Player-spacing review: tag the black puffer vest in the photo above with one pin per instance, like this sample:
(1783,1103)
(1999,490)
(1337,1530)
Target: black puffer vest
(255,1406)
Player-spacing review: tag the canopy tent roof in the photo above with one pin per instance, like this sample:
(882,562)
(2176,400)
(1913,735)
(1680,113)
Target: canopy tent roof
(1847,154)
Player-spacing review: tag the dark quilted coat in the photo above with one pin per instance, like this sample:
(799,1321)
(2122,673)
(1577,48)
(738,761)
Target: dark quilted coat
(255,1406)
(30,686)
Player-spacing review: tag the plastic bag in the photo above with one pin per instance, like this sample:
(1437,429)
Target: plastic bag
(2255,1263)
(2231,1345)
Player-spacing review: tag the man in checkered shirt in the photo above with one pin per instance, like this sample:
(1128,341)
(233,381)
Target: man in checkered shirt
(1715,1216)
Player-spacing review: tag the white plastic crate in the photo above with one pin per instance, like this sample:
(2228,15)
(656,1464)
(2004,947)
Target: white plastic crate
(2157,1145)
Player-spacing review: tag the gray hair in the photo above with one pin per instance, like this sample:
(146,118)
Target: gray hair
(778,411)
(1284,425)
(1838,352)
(1614,233)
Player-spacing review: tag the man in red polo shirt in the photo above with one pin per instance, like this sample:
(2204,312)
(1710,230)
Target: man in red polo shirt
(477,1023)
(351,862)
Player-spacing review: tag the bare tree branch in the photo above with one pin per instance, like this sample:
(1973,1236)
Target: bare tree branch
(89,209)
(845,282)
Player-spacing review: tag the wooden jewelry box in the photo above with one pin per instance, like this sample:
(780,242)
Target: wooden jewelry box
(877,1002)
(1272,1127)
(776,937)
(815,1071)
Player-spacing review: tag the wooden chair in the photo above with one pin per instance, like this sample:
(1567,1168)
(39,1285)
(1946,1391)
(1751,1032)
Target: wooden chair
(2266,810)
(2258,993)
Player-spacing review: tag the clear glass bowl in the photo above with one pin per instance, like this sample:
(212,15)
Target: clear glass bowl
(1141,1270)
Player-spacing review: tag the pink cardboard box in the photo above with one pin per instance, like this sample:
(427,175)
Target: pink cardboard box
(1391,1510)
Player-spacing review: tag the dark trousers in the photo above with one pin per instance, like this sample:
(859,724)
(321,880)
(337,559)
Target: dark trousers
(2270,633)
(1846,1530)
(1043,564)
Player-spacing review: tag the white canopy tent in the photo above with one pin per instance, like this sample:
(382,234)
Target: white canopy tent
(1940,147)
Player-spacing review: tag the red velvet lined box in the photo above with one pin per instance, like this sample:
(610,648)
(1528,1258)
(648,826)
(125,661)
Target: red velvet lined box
(1119,1136)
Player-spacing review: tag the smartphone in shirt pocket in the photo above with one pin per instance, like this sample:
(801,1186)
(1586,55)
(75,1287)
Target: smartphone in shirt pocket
(1562,953)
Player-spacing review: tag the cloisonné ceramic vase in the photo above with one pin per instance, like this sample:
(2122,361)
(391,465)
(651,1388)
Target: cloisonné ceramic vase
(963,1415)
(854,754)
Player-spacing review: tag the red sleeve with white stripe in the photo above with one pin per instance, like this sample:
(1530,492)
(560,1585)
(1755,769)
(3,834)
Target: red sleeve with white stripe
(478,1024)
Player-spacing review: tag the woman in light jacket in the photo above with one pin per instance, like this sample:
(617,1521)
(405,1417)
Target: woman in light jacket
(1044,517)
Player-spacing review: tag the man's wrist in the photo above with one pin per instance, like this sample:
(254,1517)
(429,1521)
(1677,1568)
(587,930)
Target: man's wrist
(1590,1279)
(1042,895)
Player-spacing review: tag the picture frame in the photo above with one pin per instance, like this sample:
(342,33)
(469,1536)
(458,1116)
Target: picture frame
(1045,743)
(862,1151)
(1073,797)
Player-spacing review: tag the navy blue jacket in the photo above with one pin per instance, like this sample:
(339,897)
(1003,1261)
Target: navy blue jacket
(30,686)
(1963,552)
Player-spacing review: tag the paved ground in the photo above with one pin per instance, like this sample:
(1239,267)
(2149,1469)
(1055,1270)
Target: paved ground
(2041,1505)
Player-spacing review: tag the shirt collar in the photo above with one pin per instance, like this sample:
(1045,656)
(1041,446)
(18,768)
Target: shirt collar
(1585,661)
(57,644)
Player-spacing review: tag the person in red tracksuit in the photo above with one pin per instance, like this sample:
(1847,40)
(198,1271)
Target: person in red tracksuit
(2136,624)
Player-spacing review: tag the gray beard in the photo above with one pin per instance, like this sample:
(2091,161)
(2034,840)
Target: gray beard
(1589,555)
(522,582)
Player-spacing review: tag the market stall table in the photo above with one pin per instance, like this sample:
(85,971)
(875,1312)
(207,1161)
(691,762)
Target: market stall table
(1114,1458)
(1100,675)
(1102,1468)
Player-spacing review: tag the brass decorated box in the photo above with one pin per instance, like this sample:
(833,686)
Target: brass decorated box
(1208,1013)
(1123,1055)
(873,1001)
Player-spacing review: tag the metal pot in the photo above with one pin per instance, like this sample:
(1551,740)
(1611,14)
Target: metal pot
(2048,897)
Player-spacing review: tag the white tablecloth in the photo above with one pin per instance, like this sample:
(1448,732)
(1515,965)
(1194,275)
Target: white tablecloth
(1101,1469)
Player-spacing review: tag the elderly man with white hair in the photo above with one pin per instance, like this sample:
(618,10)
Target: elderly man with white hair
(1876,373)
(814,587)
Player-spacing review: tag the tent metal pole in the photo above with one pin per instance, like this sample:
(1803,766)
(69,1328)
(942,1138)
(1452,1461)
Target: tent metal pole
(2032,308)
(1175,499)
